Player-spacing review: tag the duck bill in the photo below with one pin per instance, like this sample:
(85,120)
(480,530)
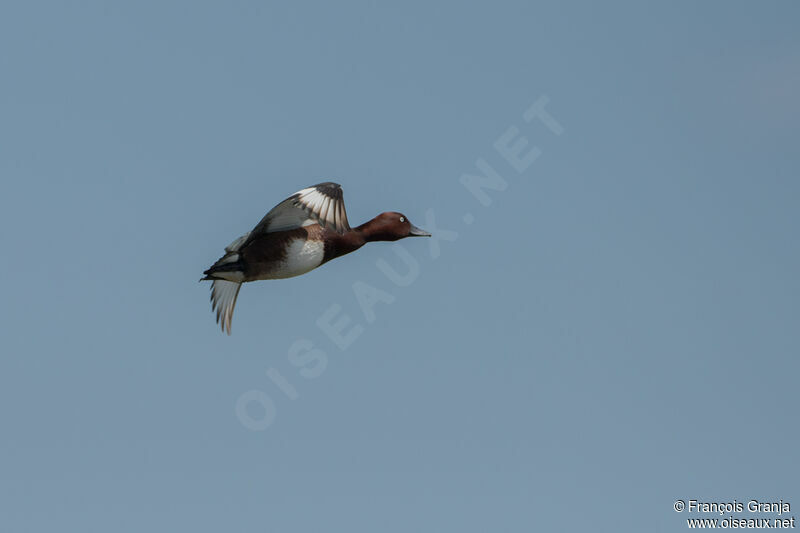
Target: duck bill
(416,232)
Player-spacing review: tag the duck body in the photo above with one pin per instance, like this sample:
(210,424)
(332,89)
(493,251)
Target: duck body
(300,234)
(291,253)
(286,254)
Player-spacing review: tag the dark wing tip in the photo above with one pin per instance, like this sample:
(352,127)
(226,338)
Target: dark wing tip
(328,184)
(329,188)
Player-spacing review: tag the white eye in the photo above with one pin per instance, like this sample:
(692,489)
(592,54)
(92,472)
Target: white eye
(402,219)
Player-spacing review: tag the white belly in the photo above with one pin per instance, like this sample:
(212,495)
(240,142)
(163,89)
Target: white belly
(301,257)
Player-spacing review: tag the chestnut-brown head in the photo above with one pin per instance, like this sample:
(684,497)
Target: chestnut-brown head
(391,226)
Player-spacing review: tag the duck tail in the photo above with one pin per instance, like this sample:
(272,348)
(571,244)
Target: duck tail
(229,267)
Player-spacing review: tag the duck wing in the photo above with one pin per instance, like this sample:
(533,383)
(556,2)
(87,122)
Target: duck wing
(223,300)
(321,204)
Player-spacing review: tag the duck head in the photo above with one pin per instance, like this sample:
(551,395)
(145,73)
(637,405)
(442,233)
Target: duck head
(391,226)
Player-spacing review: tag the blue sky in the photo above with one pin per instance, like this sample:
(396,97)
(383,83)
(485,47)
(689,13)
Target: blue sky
(615,330)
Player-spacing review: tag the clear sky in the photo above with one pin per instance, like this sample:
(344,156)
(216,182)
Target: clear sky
(617,329)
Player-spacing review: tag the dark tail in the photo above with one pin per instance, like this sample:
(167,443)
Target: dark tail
(222,267)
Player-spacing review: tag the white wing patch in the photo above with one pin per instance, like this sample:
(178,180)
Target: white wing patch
(223,299)
(321,204)
(325,203)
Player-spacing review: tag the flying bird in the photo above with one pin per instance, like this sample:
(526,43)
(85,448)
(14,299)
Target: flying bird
(299,234)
